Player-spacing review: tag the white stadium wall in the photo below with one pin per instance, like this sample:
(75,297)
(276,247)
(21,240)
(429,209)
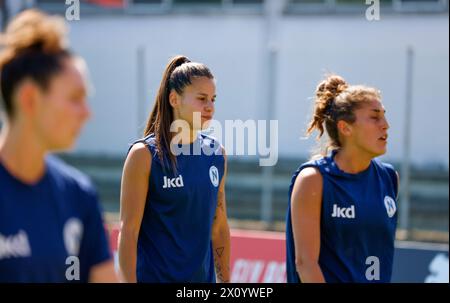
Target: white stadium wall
(372,53)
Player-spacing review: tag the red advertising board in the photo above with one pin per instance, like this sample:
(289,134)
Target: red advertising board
(256,256)
(259,257)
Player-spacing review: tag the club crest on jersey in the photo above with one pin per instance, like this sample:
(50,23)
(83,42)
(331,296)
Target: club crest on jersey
(173,182)
(73,234)
(214,175)
(391,208)
(343,212)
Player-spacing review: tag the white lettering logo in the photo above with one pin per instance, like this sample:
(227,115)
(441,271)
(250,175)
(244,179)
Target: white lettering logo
(214,175)
(373,11)
(174,182)
(389,203)
(343,212)
(250,137)
(73,271)
(73,233)
(14,246)
(373,271)
(438,269)
(73,11)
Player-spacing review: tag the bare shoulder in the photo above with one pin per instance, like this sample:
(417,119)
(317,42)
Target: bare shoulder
(139,158)
(310,175)
(139,150)
(308,187)
(308,182)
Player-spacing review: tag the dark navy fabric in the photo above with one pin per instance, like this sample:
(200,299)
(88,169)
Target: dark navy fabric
(44,226)
(174,243)
(358,223)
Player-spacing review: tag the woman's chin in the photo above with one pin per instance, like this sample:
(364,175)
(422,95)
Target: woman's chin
(379,152)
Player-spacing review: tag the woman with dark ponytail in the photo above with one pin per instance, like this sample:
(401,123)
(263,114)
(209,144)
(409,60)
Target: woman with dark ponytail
(51,228)
(173,213)
(342,217)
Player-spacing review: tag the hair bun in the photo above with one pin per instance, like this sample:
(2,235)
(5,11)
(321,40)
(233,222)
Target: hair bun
(34,30)
(331,87)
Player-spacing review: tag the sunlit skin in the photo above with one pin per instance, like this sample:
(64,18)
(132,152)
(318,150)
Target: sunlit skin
(364,139)
(199,97)
(63,109)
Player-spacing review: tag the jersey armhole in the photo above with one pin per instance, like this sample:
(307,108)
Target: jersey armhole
(393,175)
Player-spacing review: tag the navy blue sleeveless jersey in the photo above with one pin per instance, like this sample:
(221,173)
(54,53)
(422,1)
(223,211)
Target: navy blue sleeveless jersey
(357,226)
(174,243)
(50,231)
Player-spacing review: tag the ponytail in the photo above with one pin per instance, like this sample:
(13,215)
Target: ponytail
(178,74)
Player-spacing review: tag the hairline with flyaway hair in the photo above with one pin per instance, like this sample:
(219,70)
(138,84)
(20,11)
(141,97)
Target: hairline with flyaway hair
(336,100)
(34,48)
(178,74)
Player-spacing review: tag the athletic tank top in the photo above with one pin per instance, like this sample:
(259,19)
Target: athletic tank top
(51,231)
(174,243)
(357,226)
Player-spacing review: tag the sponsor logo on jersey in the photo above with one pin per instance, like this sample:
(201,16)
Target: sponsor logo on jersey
(14,246)
(173,182)
(343,212)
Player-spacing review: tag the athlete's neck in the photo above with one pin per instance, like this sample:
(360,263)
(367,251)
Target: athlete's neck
(22,154)
(352,161)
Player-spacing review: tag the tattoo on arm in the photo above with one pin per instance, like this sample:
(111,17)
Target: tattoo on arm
(220,199)
(219,252)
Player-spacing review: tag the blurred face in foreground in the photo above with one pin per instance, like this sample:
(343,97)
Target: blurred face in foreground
(61,110)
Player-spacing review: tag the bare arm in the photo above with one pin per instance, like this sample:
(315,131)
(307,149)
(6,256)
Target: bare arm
(133,195)
(103,273)
(221,234)
(306,203)
(398,184)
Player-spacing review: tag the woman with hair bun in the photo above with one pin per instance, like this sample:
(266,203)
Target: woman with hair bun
(51,228)
(342,217)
